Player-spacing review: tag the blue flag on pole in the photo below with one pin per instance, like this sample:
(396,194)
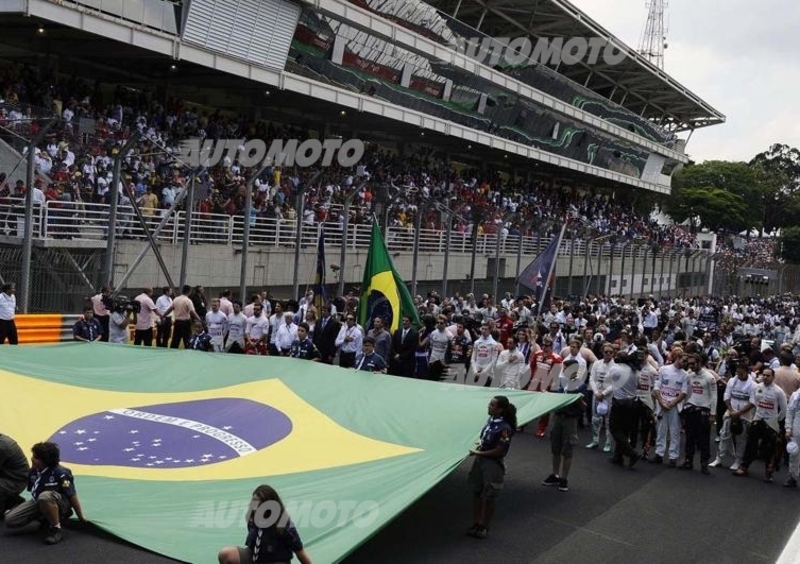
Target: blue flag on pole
(538,275)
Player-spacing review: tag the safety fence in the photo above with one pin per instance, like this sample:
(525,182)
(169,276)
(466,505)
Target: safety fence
(87,221)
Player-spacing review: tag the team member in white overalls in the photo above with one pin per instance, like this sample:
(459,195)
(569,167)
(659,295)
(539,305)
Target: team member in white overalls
(792,436)
(601,397)
(484,356)
(510,366)
(217,324)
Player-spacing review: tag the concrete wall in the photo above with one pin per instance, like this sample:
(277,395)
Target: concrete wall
(218,266)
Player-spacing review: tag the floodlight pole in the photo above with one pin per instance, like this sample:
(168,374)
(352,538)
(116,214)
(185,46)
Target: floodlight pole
(27,242)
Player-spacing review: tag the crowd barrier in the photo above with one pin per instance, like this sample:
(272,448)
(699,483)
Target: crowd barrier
(43,328)
(39,328)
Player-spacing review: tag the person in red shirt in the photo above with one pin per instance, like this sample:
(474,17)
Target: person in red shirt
(545,368)
(505,325)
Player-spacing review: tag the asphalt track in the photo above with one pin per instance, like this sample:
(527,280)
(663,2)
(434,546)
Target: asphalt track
(611,514)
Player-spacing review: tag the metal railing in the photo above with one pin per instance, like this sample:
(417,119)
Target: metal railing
(88,221)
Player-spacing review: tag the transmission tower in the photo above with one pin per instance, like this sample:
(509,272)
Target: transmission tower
(654,38)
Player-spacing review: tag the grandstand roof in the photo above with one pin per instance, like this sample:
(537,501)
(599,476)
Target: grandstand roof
(635,83)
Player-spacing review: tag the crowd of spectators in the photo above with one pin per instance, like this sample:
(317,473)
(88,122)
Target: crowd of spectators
(75,163)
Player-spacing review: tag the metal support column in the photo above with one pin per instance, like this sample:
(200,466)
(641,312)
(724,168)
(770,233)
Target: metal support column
(27,242)
(611,268)
(571,261)
(187,230)
(298,238)
(635,251)
(113,194)
(622,269)
(248,205)
(164,220)
(348,199)
(423,209)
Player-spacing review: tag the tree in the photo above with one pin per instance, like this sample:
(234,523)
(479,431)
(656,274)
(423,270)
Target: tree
(724,195)
(789,243)
(779,205)
(716,208)
(778,170)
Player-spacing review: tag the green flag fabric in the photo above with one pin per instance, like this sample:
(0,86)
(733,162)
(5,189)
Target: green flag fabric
(383,293)
(167,446)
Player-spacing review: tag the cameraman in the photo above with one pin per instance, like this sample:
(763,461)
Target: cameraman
(121,318)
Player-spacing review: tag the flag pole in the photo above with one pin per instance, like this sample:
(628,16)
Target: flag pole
(550,273)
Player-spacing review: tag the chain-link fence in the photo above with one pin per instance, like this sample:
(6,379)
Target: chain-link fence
(61,278)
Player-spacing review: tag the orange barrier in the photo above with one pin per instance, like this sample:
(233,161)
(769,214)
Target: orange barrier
(39,327)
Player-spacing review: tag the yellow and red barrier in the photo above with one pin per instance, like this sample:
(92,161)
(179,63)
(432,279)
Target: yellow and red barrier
(38,328)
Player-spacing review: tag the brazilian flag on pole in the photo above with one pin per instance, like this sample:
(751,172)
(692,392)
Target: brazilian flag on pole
(383,293)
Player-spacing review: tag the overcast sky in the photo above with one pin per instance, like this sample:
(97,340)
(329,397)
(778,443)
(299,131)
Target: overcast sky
(741,57)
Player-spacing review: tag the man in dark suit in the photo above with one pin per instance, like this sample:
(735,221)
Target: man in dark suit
(325,332)
(404,342)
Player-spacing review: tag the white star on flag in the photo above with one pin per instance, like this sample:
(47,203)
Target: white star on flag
(227,428)
(159,462)
(108,417)
(80,431)
(189,460)
(92,440)
(62,432)
(133,431)
(83,448)
(129,449)
(79,443)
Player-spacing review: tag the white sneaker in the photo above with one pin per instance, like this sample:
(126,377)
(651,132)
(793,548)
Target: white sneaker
(735,467)
(716,464)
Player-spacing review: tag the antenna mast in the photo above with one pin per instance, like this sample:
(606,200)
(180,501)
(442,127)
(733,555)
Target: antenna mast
(654,38)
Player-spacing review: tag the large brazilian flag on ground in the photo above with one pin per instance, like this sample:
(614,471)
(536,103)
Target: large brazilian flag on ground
(167,446)
(383,293)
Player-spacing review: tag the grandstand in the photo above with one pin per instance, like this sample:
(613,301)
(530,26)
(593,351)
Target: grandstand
(559,139)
